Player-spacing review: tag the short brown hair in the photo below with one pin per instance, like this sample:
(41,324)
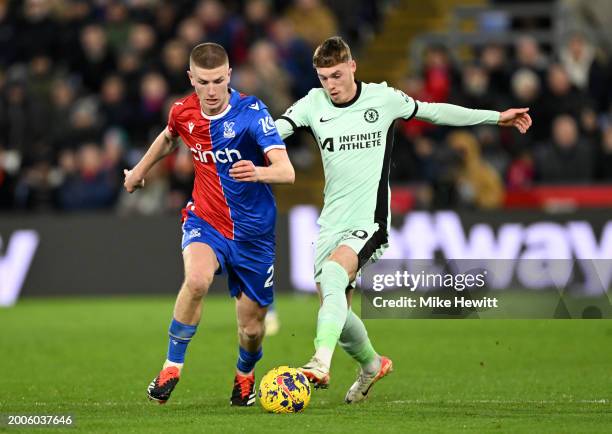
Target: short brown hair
(208,55)
(331,52)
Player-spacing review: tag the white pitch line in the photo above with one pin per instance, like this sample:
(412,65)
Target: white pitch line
(500,401)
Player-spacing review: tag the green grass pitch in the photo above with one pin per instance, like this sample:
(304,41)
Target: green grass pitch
(93,358)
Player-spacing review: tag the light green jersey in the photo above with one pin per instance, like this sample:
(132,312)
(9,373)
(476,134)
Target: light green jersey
(355,139)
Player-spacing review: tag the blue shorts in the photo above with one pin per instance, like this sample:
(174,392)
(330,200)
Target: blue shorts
(249,265)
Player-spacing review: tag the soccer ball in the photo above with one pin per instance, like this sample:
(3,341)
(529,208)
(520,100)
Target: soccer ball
(284,390)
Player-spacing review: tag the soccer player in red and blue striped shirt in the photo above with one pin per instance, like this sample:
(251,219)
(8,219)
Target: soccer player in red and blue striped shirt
(228,226)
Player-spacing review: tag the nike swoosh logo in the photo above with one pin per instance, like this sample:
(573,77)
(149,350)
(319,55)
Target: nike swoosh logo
(326,120)
(367,390)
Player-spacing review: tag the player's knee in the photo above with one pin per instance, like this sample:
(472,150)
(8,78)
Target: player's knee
(197,284)
(252,331)
(347,259)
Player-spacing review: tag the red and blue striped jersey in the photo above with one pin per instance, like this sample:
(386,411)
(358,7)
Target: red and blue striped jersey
(243,131)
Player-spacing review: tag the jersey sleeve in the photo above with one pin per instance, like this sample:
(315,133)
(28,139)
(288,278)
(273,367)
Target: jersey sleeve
(263,130)
(295,117)
(172,121)
(401,104)
(454,115)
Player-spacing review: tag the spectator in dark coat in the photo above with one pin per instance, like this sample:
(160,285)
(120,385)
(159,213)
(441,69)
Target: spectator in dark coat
(561,97)
(585,70)
(91,186)
(529,56)
(174,67)
(95,60)
(295,54)
(37,31)
(114,107)
(567,159)
(8,31)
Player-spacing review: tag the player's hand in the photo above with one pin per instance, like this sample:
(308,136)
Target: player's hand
(245,171)
(132,181)
(516,117)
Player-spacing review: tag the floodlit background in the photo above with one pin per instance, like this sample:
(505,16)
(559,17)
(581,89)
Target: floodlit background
(86,85)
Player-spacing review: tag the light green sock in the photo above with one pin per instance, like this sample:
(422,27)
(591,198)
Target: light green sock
(333,311)
(354,340)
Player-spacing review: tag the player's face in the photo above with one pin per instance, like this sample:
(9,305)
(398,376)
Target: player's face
(211,85)
(339,81)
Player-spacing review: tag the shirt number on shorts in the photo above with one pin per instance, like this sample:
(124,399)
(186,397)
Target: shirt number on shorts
(270,279)
(362,235)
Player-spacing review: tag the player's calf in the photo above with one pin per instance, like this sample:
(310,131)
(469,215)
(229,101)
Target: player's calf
(179,337)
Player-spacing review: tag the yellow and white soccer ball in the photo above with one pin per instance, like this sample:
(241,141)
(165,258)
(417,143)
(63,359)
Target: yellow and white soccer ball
(284,390)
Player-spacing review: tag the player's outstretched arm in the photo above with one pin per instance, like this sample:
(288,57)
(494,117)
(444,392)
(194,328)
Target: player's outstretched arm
(454,115)
(280,170)
(162,146)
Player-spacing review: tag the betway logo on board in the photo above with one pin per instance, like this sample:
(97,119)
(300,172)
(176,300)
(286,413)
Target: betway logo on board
(220,156)
(423,235)
(15,264)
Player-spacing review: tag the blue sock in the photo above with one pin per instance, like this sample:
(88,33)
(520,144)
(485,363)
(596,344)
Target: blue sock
(247,360)
(180,336)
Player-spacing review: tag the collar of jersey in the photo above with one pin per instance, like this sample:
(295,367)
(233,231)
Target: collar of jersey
(233,93)
(355,98)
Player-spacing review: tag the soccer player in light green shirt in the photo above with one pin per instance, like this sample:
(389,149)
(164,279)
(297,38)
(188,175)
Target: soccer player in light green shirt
(353,125)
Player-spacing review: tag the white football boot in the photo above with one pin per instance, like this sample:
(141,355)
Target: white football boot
(360,388)
(317,373)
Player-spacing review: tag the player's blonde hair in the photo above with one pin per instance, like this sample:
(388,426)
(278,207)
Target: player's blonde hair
(331,52)
(208,55)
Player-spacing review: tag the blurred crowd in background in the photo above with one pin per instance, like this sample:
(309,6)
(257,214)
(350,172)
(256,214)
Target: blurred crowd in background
(85,87)
(570,142)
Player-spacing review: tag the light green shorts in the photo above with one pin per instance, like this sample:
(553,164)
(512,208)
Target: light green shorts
(368,241)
